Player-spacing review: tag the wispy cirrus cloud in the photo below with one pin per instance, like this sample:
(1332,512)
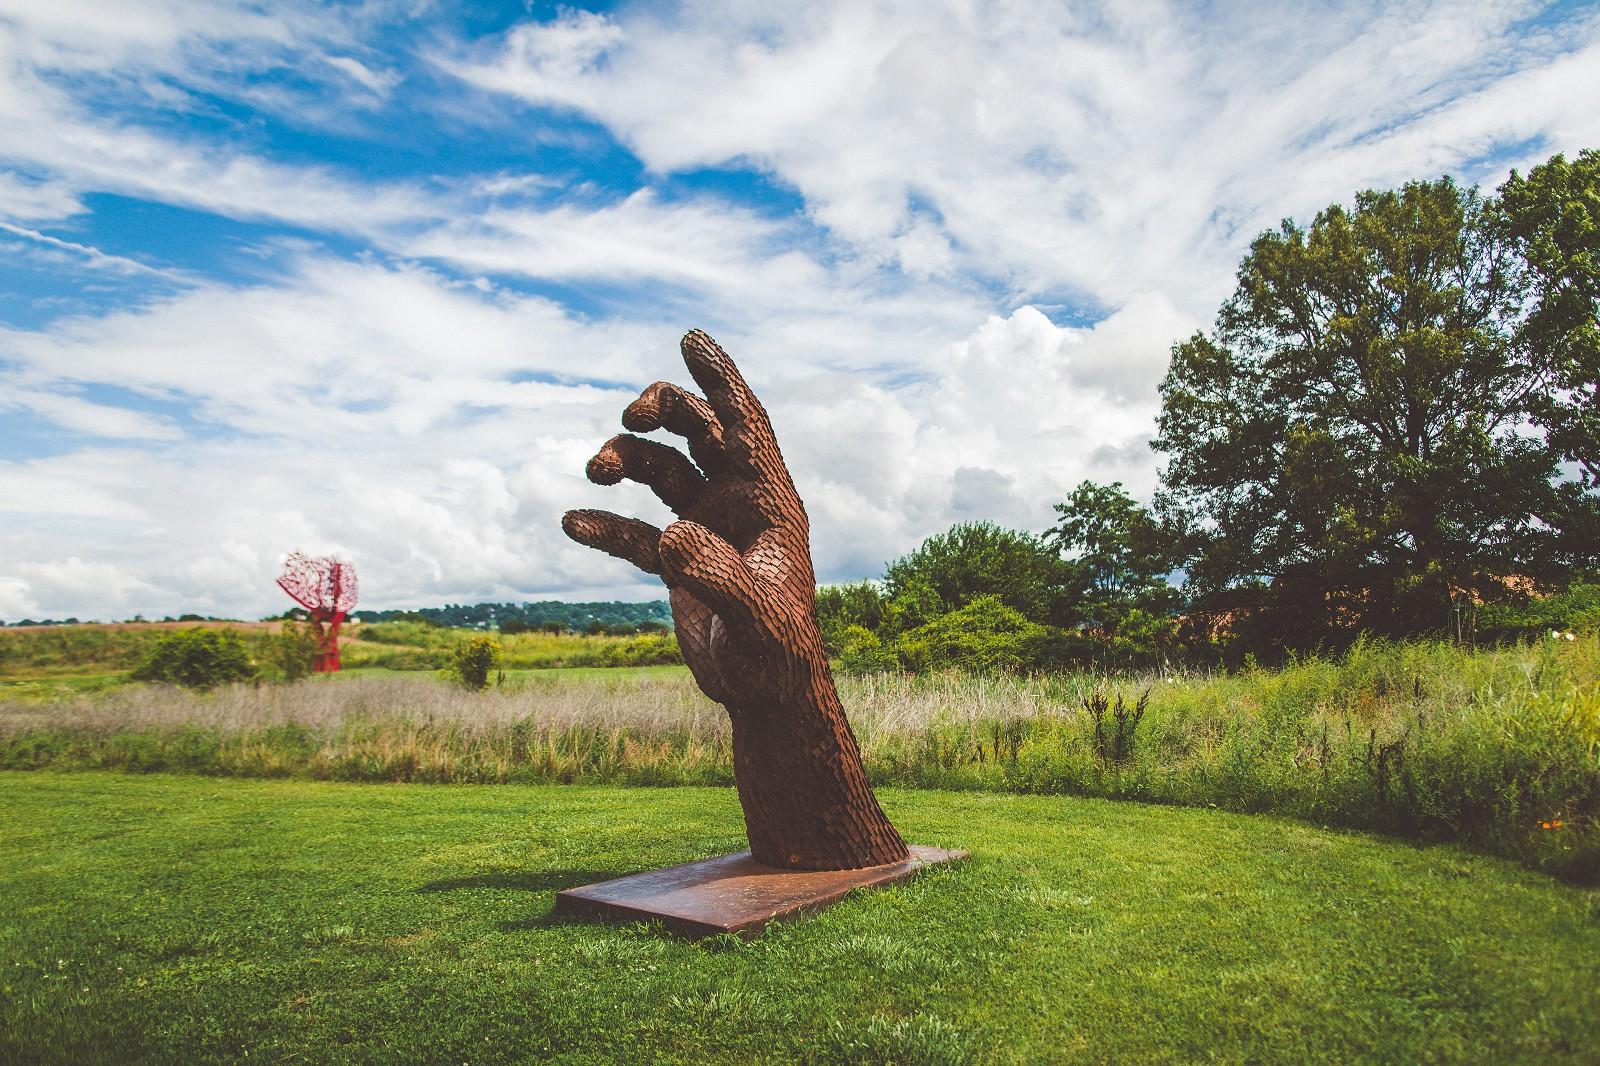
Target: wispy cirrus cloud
(1107,149)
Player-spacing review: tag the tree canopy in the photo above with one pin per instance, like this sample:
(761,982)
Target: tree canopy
(1359,439)
(1117,558)
(1554,217)
(950,570)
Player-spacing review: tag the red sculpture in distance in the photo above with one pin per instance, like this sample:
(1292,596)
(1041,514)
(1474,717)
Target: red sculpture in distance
(327,588)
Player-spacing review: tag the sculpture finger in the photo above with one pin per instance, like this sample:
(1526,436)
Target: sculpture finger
(665,406)
(697,560)
(667,471)
(627,538)
(747,438)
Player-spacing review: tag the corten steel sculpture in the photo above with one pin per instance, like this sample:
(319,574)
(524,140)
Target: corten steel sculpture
(327,588)
(738,564)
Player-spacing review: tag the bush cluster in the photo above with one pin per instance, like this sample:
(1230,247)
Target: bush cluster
(292,652)
(943,606)
(197,658)
(475,660)
(1576,609)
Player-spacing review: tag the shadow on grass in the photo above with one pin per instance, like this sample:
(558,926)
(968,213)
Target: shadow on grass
(537,881)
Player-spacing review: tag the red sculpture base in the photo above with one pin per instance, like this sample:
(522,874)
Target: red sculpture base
(734,893)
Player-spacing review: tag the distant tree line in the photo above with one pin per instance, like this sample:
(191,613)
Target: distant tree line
(136,618)
(612,617)
(1393,428)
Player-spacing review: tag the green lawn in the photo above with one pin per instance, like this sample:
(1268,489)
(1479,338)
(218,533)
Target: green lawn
(160,919)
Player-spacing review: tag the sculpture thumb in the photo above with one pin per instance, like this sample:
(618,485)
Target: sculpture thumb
(697,560)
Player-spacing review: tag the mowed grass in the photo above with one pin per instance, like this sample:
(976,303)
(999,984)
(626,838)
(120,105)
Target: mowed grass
(161,919)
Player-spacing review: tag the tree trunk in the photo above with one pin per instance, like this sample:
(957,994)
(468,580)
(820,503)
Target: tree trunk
(807,804)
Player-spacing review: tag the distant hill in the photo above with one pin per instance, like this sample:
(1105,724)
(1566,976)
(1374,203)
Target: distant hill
(613,615)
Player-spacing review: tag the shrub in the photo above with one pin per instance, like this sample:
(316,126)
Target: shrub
(843,607)
(646,649)
(985,635)
(292,652)
(861,652)
(473,661)
(1053,648)
(197,658)
(1575,609)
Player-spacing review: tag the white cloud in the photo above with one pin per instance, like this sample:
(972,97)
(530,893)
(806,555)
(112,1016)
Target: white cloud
(44,498)
(94,258)
(36,201)
(379,83)
(716,250)
(1101,149)
(61,61)
(434,434)
(89,418)
(16,599)
(105,586)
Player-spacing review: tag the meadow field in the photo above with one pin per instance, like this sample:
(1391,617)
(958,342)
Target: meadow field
(48,660)
(1496,748)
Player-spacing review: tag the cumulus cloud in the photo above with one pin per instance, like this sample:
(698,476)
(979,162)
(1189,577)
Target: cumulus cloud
(104,586)
(345,413)
(16,598)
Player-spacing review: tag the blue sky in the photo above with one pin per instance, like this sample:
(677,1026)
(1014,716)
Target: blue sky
(377,278)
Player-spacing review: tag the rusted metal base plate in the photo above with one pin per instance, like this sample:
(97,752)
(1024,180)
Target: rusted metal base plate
(734,893)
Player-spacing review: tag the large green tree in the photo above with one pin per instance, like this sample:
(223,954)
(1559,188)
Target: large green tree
(1352,443)
(1117,557)
(1554,216)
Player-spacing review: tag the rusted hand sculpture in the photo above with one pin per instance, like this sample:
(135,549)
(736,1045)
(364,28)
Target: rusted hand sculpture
(738,565)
